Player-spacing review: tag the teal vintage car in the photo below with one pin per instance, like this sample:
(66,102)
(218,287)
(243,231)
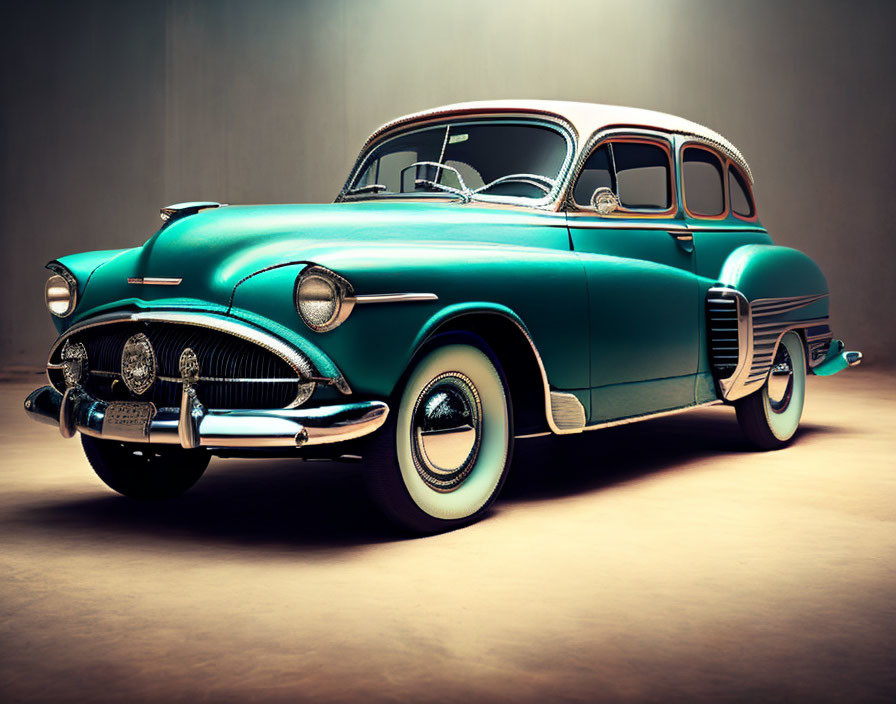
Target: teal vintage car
(490,272)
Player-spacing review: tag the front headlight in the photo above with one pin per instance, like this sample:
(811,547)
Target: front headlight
(61,293)
(323,298)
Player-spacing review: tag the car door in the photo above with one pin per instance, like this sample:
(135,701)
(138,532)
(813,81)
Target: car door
(642,287)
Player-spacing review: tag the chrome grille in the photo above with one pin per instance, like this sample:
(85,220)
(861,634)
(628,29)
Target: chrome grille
(722,330)
(234,372)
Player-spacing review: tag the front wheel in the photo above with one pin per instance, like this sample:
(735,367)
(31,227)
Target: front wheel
(443,456)
(148,472)
(770,416)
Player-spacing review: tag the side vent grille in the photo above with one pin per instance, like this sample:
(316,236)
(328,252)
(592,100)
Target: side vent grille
(567,412)
(722,328)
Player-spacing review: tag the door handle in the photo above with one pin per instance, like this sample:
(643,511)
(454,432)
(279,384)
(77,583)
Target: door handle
(685,240)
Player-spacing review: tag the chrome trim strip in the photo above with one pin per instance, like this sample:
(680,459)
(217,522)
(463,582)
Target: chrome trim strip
(394,297)
(773,306)
(101,372)
(650,416)
(79,411)
(155,280)
(609,223)
(758,341)
(548,410)
(407,125)
(220,379)
(531,435)
(744,336)
(299,363)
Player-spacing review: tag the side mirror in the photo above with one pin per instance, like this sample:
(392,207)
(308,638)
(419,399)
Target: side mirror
(604,201)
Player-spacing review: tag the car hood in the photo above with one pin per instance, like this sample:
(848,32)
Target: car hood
(213,251)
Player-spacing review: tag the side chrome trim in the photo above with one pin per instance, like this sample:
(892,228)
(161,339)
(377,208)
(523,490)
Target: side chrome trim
(729,384)
(568,415)
(299,363)
(363,298)
(155,280)
(758,338)
(761,307)
(650,416)
(548,406)
(590,222)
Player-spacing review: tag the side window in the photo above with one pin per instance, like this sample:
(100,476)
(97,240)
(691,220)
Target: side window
(702,181)
(739,192)
(642,175)
(596,173)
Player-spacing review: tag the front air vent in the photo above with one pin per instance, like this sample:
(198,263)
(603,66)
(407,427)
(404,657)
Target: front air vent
(722,329)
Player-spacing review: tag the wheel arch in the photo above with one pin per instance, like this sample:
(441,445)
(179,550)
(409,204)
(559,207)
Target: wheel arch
(506,335)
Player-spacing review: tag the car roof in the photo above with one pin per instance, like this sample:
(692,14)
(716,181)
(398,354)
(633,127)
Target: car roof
(585,118)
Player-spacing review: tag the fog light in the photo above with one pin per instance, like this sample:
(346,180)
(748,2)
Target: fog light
(74,362)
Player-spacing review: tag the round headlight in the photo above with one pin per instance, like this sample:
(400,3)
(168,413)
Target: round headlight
(60,294)
(323,299)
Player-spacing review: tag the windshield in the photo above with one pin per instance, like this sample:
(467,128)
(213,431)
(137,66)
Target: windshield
(487,160)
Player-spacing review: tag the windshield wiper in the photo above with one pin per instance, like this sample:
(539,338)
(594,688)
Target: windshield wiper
(369,188)
(542,183)
(463,192)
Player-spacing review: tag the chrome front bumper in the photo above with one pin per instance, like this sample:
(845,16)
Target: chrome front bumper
(192,425)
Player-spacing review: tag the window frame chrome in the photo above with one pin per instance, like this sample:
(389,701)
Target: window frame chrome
(560,126)
(599,137)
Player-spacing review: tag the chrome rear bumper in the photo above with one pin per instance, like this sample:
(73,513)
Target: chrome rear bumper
(194,426)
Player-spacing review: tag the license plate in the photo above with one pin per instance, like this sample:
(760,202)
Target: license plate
(128,420)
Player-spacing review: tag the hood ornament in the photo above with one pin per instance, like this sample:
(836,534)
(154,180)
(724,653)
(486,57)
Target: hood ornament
(176,211)
(138,364)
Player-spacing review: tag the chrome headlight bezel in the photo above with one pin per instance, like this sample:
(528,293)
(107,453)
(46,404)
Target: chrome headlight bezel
(311,285)
(61,287)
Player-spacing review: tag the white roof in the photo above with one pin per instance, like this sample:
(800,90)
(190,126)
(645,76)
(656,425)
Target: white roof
(586,119)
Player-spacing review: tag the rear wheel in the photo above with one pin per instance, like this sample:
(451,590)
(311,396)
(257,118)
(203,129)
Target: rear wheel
(443,456)
(770,416)
(142,471)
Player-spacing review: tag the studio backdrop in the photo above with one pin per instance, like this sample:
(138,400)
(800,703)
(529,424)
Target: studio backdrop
(111,110)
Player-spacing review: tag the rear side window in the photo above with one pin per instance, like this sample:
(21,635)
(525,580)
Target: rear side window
(642,176)
(702,181)
(639,173)
(739,192)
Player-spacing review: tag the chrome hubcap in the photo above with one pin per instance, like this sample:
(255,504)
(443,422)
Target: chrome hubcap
(780,381)
(446,431)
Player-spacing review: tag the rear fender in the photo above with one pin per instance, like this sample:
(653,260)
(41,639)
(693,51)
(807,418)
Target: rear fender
(767,291)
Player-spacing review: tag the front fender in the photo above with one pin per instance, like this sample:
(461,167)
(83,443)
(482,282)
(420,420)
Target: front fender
(542,290)
(82,266)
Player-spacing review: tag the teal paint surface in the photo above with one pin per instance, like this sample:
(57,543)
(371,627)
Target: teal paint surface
(618,318)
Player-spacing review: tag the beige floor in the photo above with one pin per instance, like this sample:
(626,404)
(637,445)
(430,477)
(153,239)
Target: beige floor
(659,562)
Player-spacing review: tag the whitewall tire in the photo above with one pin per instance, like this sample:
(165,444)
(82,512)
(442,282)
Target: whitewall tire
(770,416)
(442,458)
